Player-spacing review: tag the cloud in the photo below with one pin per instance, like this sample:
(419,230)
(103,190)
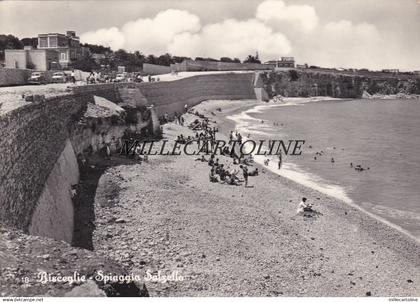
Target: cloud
(345,44)
(111,37)
(232,38)
(145,34)
(302,16)
(278,29)
(153,35)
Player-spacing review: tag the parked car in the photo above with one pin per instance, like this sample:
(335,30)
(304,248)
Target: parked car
(37,78)
(138,78)
(59,77)
(119,78)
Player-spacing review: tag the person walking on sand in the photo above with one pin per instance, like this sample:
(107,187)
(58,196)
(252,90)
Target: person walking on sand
(73,77)
(245,174)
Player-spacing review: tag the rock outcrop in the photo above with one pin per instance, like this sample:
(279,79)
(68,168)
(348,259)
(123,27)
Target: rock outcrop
(297,83)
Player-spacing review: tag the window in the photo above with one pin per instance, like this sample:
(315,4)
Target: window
(63,56)
(53,41)
(43,42)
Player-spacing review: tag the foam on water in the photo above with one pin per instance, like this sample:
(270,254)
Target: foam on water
(246,124)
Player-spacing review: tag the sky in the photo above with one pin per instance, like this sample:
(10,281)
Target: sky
(372,34)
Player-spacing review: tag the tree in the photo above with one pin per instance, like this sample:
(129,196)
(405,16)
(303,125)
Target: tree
(293,74)
(86,64)
(30,42)
(30,65)
(165,59)
(176,59)
(151,59)
(226,60)
(9,42)
(121,56)
(97,48)
(229,60)
(252,59)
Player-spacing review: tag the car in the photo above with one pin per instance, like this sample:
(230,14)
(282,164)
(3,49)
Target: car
(119,78)
(37,78)
(138,78)
(59,77)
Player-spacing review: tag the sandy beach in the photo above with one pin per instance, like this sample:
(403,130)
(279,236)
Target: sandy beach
(165,217)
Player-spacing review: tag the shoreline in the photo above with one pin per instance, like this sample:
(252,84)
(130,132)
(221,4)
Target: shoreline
(231,241)
(303,179)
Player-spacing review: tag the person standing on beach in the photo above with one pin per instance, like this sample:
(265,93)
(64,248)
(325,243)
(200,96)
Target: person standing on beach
(245,174)
(280,161)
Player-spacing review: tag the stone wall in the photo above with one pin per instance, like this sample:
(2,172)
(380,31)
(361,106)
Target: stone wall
(154,69)
(171,97)
(53,215)
(40,141)
(190,65)
(32,138)
(12,76)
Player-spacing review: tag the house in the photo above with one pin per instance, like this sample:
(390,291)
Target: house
(288,62)
(29,58)
(67,45)
(391,70)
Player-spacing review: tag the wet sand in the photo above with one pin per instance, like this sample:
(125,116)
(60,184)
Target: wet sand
(235,241)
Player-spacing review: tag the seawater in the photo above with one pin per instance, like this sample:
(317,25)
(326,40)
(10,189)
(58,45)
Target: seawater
(382,135)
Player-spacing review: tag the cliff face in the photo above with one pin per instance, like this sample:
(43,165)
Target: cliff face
(294,83)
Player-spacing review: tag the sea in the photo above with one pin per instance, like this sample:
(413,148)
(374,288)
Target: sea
(382,137)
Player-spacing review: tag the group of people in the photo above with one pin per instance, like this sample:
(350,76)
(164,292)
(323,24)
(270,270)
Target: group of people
(177,119)
(227,175)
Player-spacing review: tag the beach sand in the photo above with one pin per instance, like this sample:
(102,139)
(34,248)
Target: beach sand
(236,241)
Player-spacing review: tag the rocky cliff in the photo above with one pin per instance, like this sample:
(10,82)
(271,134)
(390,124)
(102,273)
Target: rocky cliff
(306,83)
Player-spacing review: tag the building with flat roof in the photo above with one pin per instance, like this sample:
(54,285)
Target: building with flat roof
(391,70)
(67,46)
(28,58)
(287,62)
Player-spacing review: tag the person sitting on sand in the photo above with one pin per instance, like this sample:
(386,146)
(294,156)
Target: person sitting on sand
(216,163)
(303,206)
(232,180)
(253,172)
(202,158)
(212,176)
(219,168)
(211,160)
